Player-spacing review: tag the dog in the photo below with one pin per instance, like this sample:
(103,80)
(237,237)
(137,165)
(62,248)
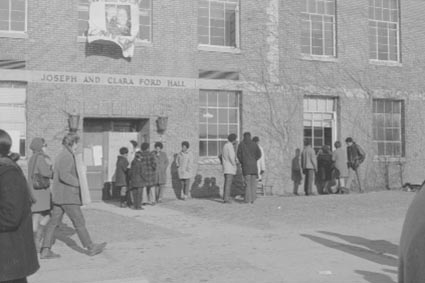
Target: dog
(408,187)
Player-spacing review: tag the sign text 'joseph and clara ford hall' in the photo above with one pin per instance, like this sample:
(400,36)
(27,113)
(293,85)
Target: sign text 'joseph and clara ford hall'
(115,80)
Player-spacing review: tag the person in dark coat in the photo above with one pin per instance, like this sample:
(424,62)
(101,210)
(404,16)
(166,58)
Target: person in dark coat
(40,163)
(66,197)
(296,176)
(18,256)
(355,157)
(136,180)
(162,162)
(324,170)
(248,154)
(411,267)
(121,178)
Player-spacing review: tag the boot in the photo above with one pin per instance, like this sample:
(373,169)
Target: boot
(46,253)
(123,201)
(95,249)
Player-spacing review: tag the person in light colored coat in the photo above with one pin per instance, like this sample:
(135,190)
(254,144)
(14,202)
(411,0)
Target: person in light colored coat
(261,163)
(309,165)
(184,168)
(229,165)
(339,157)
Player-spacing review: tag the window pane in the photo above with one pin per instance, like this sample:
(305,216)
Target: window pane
(223,99)
(202,148)
(212,131)
(202,131)
(18,5)
(223,116)
(212,99)
(4,25)
(17,26)
(233,115)
(213,148)
(4,5)
(223,131)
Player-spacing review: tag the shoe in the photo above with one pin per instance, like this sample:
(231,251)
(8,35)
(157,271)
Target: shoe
(95,249)
(46,253)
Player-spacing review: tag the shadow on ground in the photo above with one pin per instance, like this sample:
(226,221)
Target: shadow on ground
(367,249)
(374,277)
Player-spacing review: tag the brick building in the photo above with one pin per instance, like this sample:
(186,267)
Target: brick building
(283,70)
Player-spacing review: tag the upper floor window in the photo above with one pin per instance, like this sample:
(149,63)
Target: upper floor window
(13,15)
(145,18)
(318,27)
(384,29)
(218,117)
(218,22)
(388,127)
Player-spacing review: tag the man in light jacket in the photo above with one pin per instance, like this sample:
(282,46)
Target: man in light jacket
(309,166)
(229,165)
(261,163)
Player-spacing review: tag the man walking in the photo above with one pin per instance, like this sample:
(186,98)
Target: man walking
(248,155)
(309,166)
(229,166)
(355,157)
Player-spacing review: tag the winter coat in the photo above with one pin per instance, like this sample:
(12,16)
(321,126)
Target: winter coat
(355,156)
(143,171)
(121,171)
(229,159)
(185,164)
(248,155)
(261,163)
(39,163)
(162,162)
(18,257)
(66,185)
(411,268)
(308,158)
(296,169)
(339,157)
(324,166)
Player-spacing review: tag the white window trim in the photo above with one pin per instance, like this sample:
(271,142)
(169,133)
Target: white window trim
(15,33)
(219,48)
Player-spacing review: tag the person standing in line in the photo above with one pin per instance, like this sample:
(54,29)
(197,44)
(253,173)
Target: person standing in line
(18,256)
(261,163)
(339,157)
(355,157)
(162,162)
(229,166)
(121,176)
(40,163)
(136,181)
(248,154)
(324,170)
(66,197)
(184,167)
(148,171)
(309,166)
(296,176)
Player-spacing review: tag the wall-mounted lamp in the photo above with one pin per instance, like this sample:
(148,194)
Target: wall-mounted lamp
(161,124)
(73,122)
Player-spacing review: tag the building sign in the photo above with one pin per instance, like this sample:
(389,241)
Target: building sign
(112,80)
(116,21)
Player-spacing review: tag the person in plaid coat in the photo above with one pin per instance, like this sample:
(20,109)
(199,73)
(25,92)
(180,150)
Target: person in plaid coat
(148,173)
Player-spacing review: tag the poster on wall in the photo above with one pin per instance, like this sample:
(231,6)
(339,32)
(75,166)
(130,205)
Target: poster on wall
(115,21)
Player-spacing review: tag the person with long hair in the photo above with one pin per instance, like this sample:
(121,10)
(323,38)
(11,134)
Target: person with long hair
(40,163)
(18,256)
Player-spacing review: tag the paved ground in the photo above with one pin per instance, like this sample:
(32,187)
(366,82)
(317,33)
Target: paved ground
(335,238)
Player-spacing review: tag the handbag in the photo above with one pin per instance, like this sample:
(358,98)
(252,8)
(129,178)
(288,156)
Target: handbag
(40,182)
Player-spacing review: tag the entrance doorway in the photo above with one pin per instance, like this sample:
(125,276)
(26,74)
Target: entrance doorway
(102,139)
(320,121)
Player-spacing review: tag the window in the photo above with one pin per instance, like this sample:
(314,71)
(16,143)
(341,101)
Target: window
(319,121)
(13,15)
(145,18)
(13,116)
(318,28)
(388,127)
(218,117)
(384,30)
(218,22)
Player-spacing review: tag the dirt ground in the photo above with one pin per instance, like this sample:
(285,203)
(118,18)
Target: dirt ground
(330,238)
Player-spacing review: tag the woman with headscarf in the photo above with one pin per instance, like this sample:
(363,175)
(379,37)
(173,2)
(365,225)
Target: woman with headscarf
(40,163)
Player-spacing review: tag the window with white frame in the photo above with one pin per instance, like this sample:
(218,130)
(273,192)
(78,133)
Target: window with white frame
(13,116)
(384,26)
(318,27)
(145,18)
(13,16)
(218,22)
(388,127)
(218,117)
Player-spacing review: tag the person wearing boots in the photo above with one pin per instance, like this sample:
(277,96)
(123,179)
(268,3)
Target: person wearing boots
(67,200)
(121,171)
(18,257)
(40,163)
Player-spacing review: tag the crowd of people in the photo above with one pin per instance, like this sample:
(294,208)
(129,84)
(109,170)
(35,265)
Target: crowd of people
(331,172)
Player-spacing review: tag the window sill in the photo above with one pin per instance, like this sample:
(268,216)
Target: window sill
(83,39)
(215,48)
(385,63)
(208,160)
(13,34)
(318,58)
(389,159)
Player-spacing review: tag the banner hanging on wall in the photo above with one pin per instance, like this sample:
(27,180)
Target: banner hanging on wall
(116,21)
